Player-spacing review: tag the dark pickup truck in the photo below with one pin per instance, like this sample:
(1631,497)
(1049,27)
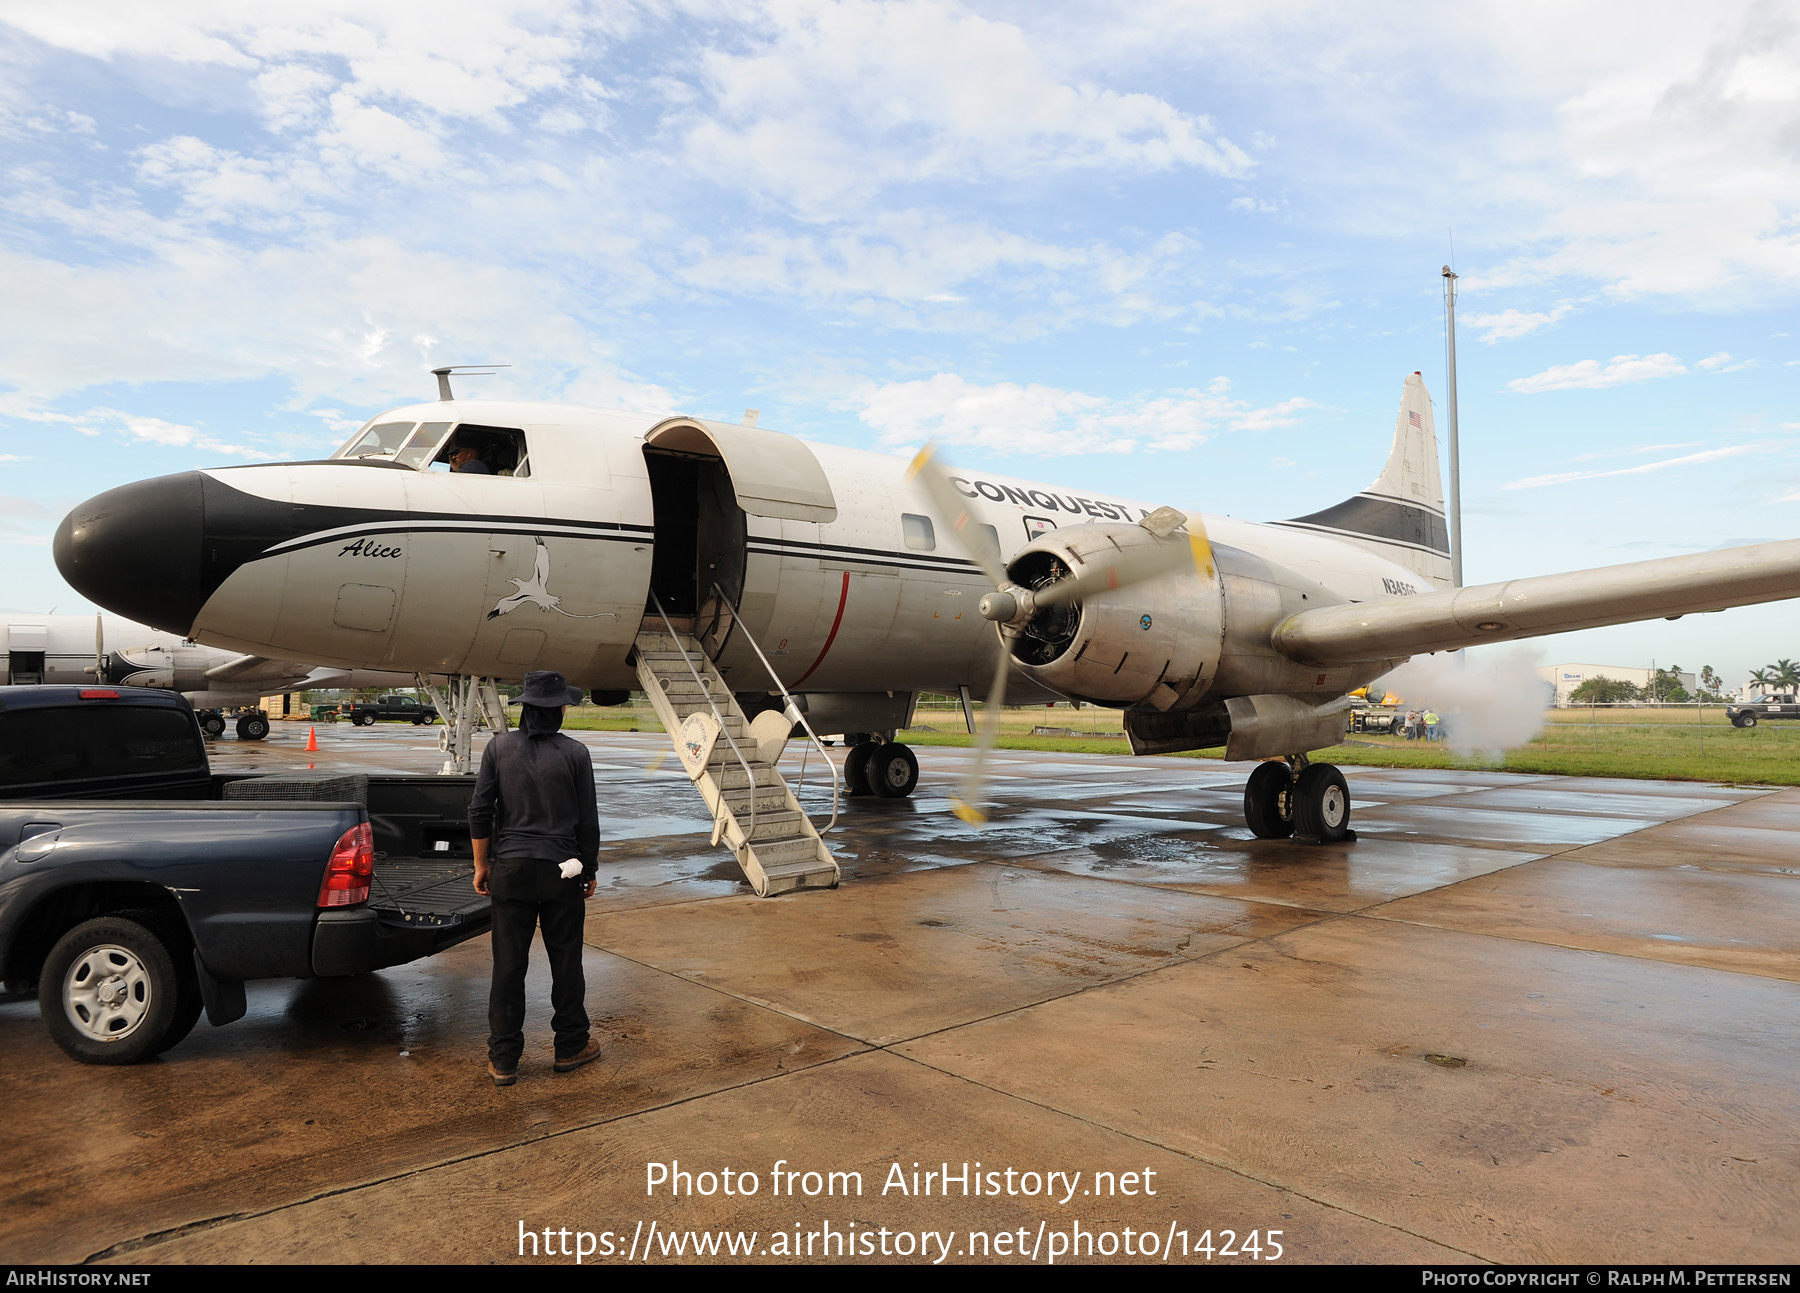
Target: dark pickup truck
(1750,712)
(389,709)
(138,888)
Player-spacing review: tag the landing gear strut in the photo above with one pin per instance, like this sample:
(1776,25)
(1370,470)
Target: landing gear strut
(465,704)
(1298,798)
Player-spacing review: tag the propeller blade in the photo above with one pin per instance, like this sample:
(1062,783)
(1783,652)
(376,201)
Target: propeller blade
(963,804)
(99,647)
(1120,570)
(952,509)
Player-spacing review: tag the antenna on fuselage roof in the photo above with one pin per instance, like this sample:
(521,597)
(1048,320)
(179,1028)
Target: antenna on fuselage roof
(477,370)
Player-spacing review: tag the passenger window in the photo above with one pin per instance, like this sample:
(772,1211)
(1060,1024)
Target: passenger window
(918,532)
(482,450)
(986,540)
(383,439)
(423,445)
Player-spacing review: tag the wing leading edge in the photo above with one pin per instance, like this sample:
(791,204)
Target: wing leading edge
(1523,608)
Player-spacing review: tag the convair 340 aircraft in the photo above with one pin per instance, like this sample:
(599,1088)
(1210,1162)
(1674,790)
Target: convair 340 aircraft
(832,585)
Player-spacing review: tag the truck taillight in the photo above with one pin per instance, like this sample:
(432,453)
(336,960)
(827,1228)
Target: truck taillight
(352,865)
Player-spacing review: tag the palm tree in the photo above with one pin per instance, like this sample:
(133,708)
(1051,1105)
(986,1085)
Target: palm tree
(1763,678)
(1787,674)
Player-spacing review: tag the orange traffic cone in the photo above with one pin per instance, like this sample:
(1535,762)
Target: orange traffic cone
(312,740)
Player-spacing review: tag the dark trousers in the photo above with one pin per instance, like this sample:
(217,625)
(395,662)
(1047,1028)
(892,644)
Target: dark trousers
(527,893)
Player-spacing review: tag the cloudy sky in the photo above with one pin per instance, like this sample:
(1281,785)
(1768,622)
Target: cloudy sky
(1176,250)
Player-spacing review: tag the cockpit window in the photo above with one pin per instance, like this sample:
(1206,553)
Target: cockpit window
(384,438)
(484,451)
(423,445)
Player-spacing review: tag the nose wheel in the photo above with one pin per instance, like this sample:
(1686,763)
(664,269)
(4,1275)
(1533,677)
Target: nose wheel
(1313,805)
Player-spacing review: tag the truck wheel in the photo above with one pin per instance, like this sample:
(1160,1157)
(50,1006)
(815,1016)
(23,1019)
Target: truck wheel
(112,991)
(1749,720)
(365,720)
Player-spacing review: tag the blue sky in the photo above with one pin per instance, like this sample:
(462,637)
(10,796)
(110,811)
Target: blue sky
(1180,251)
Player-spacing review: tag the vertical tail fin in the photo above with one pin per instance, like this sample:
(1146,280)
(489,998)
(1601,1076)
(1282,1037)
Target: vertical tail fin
(1401,515)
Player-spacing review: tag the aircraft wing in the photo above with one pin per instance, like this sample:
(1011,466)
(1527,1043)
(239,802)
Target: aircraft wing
(1523,608)
(248,670)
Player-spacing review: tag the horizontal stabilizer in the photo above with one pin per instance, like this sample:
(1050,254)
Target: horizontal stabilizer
(1524,608)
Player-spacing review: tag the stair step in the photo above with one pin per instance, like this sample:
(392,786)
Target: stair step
(782,854)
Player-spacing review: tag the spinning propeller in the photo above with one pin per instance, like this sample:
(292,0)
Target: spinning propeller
(1019,611)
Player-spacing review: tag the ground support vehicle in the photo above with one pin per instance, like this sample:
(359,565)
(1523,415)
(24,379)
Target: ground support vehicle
(138,888)
(390,709)
(1373,720)
(1750,712)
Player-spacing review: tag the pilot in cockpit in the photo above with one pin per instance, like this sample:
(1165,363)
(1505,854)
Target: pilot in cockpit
(465,459)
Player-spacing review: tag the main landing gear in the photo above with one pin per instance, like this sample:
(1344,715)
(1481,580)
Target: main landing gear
(1297,798)
(879,767)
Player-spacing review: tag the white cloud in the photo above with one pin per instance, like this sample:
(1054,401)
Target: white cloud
(822,104)
(1009,418)
(1721,363)
(1590,374)
(1689,460)
(1509,325)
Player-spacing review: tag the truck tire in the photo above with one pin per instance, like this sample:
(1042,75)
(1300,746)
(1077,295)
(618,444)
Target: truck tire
(113,991)
(1749,720)
(365,720)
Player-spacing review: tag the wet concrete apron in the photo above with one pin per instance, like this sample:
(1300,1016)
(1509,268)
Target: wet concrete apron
(1520,1019)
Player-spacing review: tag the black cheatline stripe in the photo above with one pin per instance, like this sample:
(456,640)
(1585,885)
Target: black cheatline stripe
(1395,498)
(791,547)
(1357,534)
(350,535)
(846,559)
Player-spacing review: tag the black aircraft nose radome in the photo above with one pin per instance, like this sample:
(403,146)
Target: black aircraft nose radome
(137,551)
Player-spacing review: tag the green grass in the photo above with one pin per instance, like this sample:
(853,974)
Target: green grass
(1654,744)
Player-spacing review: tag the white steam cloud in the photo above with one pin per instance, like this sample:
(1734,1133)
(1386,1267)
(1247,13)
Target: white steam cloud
(1490,699)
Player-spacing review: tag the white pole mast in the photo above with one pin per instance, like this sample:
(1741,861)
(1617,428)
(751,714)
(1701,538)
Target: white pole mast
(1456,549)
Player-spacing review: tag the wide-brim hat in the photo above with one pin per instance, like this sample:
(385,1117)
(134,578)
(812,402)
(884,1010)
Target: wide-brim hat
(548,688)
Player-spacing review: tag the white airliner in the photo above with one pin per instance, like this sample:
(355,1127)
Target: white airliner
(84,650)
(863,583)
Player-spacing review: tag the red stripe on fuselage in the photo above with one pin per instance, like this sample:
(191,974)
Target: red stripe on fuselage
(830,637)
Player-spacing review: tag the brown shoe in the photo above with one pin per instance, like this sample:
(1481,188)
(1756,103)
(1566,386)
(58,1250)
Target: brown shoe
(502,1077)
(588,1055)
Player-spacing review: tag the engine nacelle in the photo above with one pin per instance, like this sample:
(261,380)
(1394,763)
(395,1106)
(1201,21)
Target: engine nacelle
(180,668)
(1156,641)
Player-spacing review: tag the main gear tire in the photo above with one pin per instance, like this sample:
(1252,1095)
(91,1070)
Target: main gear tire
(252,727)
(1269,802)
(856,763)
(892,771)
(1322,804)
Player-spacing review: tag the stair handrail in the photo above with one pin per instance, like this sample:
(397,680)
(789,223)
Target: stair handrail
(792,711)
(717,717)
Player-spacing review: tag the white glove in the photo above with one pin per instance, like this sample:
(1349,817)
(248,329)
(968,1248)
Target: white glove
(570,869)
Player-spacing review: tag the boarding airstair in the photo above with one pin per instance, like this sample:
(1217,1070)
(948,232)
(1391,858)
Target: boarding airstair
(731,760)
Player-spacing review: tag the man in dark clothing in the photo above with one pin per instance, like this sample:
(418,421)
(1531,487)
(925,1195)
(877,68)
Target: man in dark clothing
(536,831)
(468,461)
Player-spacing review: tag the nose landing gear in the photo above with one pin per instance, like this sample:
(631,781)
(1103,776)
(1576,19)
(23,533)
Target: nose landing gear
(1296,798)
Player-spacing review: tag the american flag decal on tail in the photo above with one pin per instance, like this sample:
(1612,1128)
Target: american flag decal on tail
(1413,418)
